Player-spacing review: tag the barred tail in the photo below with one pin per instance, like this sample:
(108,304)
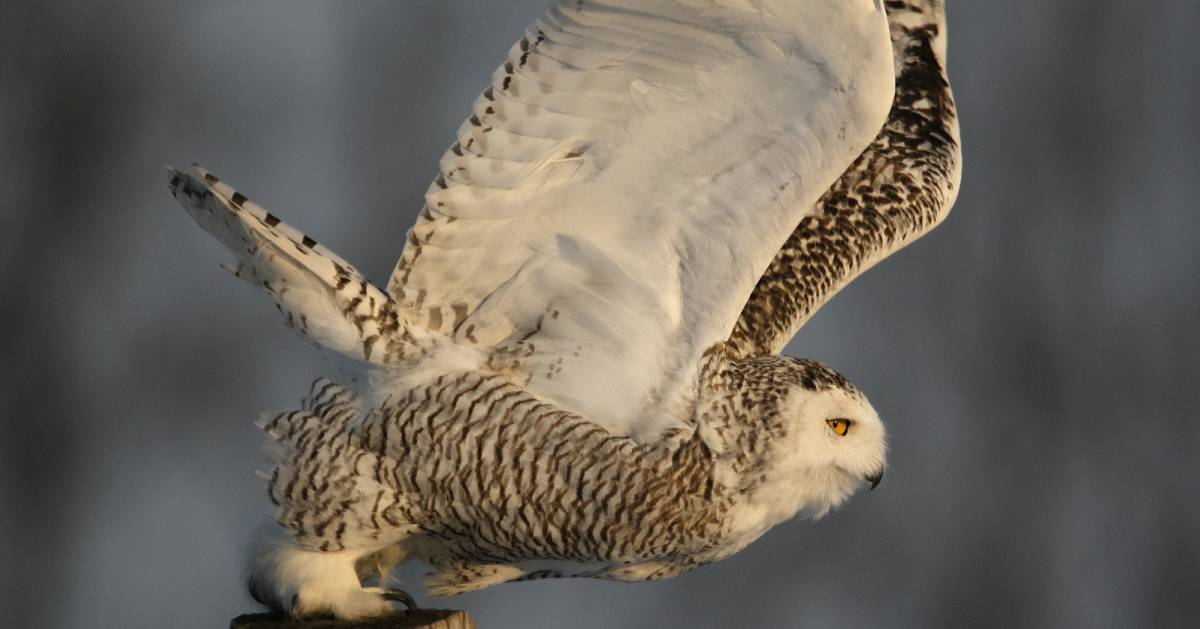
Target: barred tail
(321,295)
(331,493)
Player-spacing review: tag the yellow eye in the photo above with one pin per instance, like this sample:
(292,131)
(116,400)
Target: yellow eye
(840,426)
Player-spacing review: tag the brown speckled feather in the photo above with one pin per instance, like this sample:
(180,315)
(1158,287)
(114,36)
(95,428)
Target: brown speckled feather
(901,187)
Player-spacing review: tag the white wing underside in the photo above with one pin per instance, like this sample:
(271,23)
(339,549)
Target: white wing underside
(626,179)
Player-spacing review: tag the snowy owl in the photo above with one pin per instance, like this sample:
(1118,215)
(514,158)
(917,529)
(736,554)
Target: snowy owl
(574,370)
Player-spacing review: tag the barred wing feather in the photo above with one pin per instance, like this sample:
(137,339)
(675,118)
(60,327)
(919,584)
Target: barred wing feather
(901,187)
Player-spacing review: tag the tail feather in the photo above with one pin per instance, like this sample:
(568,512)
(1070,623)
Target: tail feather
(292,241)
(321,295)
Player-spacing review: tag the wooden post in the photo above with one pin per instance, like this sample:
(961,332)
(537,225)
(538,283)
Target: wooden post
(413,619)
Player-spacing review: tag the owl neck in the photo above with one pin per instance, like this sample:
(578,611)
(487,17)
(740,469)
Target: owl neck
(737,418)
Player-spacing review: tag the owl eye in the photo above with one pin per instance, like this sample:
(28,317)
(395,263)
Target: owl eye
(839,425)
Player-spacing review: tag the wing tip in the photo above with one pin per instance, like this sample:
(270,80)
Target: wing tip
(174,178)
(179,180)
(185,188)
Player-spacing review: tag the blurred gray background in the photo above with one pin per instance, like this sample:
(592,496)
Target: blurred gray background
(1035,358)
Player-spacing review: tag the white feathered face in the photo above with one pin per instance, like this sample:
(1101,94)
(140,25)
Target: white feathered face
(825,441)
(835,444)
(810,441)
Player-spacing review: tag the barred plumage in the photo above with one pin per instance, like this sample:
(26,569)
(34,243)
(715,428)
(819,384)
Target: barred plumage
(572,372)
(476,476)
(901,187)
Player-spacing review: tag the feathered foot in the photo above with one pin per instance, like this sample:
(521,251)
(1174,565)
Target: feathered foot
(303,583)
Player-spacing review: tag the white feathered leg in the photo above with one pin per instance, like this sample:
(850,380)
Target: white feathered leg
(303,583)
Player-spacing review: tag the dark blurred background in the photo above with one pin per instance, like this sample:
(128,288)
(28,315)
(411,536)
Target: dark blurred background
(1035,358)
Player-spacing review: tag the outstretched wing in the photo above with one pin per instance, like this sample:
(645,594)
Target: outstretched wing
(626,179)
(899,189)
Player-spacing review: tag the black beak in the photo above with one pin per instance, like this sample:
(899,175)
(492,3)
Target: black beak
(874,479)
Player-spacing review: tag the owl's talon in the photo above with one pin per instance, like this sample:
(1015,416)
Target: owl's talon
(396,596)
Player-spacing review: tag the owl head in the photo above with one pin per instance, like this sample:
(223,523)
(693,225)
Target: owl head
(832,441)
(792,436)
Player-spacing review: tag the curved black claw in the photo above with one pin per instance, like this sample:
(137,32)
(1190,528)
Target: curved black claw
(399,596)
